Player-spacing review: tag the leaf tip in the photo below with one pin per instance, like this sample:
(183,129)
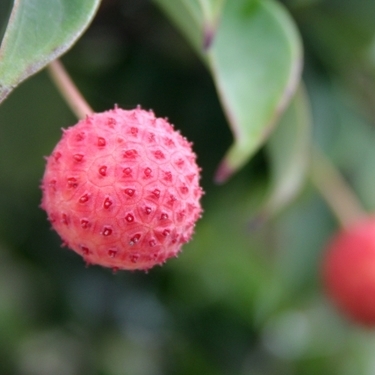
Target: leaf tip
(209,32)
(223,173)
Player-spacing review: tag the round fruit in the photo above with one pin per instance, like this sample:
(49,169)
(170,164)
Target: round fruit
(121,188)
(349,271)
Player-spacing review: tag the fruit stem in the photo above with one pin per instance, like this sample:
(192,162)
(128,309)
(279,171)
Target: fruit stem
(332,186)
(69,90)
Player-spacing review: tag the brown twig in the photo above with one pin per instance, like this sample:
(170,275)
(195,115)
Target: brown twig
(69,90)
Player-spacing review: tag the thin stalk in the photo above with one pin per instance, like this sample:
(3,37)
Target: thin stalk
(335,190)
(69,90)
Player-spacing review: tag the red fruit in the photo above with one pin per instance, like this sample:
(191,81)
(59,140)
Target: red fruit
(349,271)
(121,188)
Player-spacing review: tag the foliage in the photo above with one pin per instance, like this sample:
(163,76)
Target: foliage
(244,297)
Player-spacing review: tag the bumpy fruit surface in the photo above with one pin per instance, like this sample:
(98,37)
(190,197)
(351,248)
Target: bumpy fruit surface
(349,271)
(121,188)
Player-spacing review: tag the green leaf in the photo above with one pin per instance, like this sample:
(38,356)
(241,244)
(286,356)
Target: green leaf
(255,59)
(38,32)
(289,152)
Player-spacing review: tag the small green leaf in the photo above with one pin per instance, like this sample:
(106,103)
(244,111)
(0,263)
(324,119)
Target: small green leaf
(38,32)
(289,152)
(255,60)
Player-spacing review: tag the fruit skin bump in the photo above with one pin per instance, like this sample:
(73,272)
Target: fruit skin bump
(122,189)
(348,271)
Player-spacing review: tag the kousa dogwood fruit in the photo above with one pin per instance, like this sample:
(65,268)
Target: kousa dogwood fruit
(348,271)
(121,188)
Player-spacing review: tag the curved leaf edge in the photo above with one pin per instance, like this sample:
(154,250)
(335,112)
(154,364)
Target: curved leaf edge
(6,89)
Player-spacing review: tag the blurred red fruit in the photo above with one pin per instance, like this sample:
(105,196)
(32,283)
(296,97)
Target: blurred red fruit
(348,271)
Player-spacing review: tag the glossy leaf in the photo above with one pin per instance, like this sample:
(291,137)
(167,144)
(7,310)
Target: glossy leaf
(38,32)
(255,60)
(289,153)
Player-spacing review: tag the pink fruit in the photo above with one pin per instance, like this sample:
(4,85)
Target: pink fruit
(121,188)
(349,271)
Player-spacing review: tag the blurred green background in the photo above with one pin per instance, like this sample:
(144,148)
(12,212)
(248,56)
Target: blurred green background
(240,299)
